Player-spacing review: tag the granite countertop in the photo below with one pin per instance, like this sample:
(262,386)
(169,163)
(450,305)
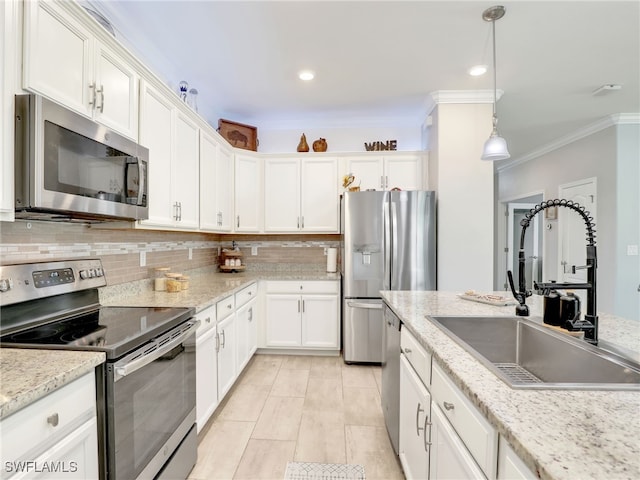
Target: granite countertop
(207,286)
(29,374)
(560,434)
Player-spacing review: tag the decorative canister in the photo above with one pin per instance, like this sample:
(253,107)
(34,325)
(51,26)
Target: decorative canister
(173,282)
(184,282)
(160,279)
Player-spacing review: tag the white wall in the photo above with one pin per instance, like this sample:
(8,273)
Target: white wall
(594,156)
(465,193)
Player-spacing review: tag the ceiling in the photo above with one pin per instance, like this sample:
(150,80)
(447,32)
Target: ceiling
(377,62)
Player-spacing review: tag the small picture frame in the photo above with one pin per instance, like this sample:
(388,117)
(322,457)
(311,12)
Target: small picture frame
(238,134)
(551,213)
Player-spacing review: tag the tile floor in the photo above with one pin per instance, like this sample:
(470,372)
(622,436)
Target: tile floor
(297,408)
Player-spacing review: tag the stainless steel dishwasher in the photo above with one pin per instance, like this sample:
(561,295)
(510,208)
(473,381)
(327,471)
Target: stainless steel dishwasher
(391,376)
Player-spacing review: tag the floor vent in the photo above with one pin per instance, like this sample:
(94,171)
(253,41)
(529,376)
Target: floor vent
(323,471)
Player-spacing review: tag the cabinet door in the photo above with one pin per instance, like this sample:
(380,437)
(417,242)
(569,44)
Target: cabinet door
(156,132)
(415,408)
(116,103)
(57,56)
(283,320)
(319,200)
(206,377)
(403,172)
(184,170)
(282,195)
(367,170)
(320,323)
(242,336)
(224,188)
(248,193)
(253,327)
(209,218)
(226,355)
(449,457)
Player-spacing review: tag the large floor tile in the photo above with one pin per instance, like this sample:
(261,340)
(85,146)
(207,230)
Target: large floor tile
(220,451)
(362,406)
(321,438)
(297,362)
(290,383)
(280,419)
(360,376)
(265,459)
(377,375)
(260,374)
(371,448)
(324,394)
(326,367)
(245,403)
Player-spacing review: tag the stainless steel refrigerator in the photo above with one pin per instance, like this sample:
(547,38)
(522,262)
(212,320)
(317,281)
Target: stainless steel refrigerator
(389,243)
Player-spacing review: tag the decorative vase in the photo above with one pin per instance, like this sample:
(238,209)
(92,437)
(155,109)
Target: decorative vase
(303,146)
(320,145)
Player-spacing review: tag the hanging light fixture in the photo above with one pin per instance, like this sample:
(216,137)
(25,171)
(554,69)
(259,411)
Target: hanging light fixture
(495,148)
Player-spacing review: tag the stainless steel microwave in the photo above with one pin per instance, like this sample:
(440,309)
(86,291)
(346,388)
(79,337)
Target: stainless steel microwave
(68,167)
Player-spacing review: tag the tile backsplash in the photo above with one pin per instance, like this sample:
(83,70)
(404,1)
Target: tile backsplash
(120,250)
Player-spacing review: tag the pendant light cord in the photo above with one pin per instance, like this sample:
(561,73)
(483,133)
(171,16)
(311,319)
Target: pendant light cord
(495,80)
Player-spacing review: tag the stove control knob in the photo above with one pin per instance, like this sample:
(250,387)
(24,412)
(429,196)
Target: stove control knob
(84,274)
(6,284)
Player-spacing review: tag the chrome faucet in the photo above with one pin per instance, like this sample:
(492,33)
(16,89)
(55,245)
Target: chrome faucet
(590,323)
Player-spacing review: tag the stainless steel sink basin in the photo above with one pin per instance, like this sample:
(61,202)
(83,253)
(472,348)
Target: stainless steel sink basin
(525,354)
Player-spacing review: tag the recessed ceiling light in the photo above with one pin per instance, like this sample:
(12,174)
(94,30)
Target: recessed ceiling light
(306,75)
(477,70)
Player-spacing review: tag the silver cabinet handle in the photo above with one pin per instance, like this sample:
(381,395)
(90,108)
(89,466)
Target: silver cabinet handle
(207,320)
(303,221)
(372,306)
(448,406)
(298,221)
(101,92)
(298,306)
(217,342)
(53,420)
(426,443)
(419,409)
(229,307)
(302,306)
(407,350)
(92,94)
(224,339)
(251,314)
(381,182)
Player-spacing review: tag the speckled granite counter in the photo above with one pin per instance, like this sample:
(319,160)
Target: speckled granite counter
(29,374)
(560,434)
(207,286)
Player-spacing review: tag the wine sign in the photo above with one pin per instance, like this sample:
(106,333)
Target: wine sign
(381,146)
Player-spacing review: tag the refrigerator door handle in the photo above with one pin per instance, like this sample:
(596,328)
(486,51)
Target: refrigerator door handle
(393,249)
(372,306)
(386,283)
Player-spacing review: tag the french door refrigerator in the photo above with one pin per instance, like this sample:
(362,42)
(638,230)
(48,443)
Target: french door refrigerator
(389,243)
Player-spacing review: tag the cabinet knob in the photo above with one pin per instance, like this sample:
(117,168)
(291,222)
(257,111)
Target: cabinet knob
(53,420)
(407,350)
(207,320)
(448,406)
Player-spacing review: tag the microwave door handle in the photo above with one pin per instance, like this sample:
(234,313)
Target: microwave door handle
(135,365)
(142,180)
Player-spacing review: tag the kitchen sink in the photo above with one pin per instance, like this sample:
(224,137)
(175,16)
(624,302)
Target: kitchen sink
(527,355)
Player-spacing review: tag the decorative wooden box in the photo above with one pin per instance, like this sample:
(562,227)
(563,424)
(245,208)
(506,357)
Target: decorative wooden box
(238,134)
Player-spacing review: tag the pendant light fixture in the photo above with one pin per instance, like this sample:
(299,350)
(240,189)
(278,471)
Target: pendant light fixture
(495,148)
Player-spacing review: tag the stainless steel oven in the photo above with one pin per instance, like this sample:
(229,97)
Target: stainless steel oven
(146,391)
(68,166)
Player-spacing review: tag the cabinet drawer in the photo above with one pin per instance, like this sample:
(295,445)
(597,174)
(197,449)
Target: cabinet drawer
(225,307)
(480,438)
(417,356)
(316,286)
(207,319)
(246,294)
(38,426)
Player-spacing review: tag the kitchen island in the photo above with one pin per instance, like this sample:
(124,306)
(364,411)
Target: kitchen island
(559,434)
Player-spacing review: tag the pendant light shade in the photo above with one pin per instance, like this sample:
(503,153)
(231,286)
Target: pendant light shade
(495,148)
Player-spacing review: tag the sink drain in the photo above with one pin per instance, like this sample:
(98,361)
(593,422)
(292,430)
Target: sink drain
(516,374)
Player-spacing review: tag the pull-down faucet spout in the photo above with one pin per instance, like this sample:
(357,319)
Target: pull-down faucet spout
(590,323)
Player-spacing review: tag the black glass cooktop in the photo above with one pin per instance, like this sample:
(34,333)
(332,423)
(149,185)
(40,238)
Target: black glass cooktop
(114,330)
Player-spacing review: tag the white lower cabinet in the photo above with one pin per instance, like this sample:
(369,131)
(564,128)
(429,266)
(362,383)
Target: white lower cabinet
(303,315)
(58,434)
(449,457)
(226,354)
(415,414)
(246,325)
(206,367)
(510,466)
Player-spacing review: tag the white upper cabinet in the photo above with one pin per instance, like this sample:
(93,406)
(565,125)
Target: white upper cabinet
(65,61)
(173,143)
(386,171)
(248,192)
(216,173)
(301,195)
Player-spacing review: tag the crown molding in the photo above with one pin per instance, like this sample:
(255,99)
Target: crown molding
(599,125)
(460,96)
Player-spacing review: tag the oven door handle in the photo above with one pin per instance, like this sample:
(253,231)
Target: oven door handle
(156,350)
